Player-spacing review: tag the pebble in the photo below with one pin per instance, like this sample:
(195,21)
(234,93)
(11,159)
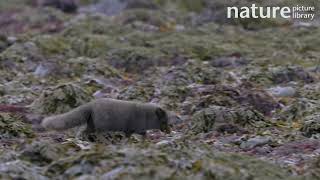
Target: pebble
(282,91)
(254,142)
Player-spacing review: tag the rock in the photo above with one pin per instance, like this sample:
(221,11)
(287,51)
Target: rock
(21,57)
(140,92)
(282,91)
(297,148)
(310,91)
(12,39)
(13,126)
(144,27)
(20,170)
(180,28)
(154,135)
(254,142)
(282,75)
(314,169)
(87,177)
(41,71)
(113,173)
(258,98)
(115,7)
(41,153)
(233,95)
(60,99)
(196,160)
(311,125)
(229,128)
(108,7)
(163,143)
(230,61)
(46,69)
(186,74)
(135,59)
(80,169)
(107,137)
(174,118)
(211,118)
(299,109)
(203,121)
(291,73)
(136,138)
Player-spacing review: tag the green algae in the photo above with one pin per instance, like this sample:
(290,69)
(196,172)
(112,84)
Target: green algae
(310,91)
(52,45)
(152,17)
(92,66)
(91,45)
(12,126)
(134,59)
(164,163)
(143,93)
(41,153)
(298,110)
(311,125)
(93,24)
(208,119)
(60,99)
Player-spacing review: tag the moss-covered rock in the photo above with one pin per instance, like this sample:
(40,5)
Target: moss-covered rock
(257,24)
(298,110)
(213,117)
(139,92)
(204,47)
(60,99)
(291,73)
(92,45)
(165,162)
(314,170)
(20,170)
(173,96)
(20,57)
(12,126)
(204,120)
(311,125)
(41,153)
(96,67)
(282,74)
(310,91)
(134,59)
(151,17)
(52,45)
(192,72)
(91,24)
